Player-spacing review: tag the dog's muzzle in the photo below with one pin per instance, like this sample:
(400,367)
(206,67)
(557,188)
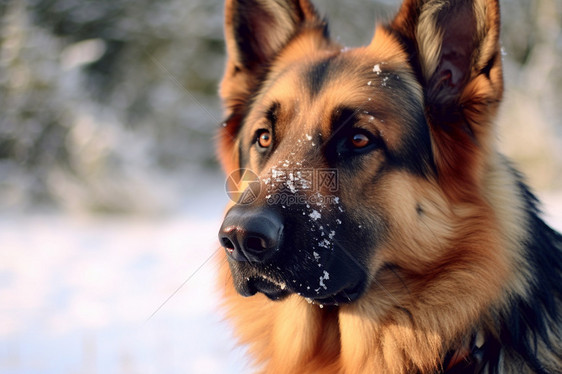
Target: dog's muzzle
(281,252)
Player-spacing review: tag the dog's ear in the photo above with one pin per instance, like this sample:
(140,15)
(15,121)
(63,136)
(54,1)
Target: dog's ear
(455,51)
(255,32)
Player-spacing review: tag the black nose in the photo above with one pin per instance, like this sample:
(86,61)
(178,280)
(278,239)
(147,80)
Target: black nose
(251,234)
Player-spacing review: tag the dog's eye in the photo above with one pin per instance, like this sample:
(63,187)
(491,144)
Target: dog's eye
(264,139)
(359,140)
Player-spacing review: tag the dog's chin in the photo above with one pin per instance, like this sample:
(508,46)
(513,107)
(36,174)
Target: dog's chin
(276,291)
(273,290)
(345,296)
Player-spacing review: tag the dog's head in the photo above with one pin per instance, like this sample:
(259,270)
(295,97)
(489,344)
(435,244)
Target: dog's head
(356,152)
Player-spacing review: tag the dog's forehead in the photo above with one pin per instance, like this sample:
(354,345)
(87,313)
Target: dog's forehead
(311,89)
(317,95)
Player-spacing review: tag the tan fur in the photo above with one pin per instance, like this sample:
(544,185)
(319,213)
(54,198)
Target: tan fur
(448,283)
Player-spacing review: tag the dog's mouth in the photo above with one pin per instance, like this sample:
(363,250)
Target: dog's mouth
(279,290)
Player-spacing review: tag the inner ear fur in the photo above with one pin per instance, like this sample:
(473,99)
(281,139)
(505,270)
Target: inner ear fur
(455,51)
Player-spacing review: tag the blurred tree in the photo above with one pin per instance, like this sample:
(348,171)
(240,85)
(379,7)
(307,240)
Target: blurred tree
(100,99)
(130,83)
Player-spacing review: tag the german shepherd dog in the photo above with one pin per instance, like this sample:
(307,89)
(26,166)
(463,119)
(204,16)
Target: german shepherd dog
(384,233)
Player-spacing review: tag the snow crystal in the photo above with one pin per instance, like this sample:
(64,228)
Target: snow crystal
(308,137)
(384,81)
(377,69)
(369,83)
(321,283)
(315,215)
(324,243)
(316,256)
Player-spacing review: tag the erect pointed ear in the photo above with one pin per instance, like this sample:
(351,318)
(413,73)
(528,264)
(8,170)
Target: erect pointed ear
(255,32)
(455,51)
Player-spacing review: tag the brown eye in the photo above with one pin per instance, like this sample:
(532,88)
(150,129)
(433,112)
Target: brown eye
(264,139)
(360,140)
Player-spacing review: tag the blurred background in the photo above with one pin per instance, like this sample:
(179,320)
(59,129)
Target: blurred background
(110,194)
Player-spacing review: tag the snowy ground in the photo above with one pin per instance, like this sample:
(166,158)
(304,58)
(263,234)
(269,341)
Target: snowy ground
(77,294)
